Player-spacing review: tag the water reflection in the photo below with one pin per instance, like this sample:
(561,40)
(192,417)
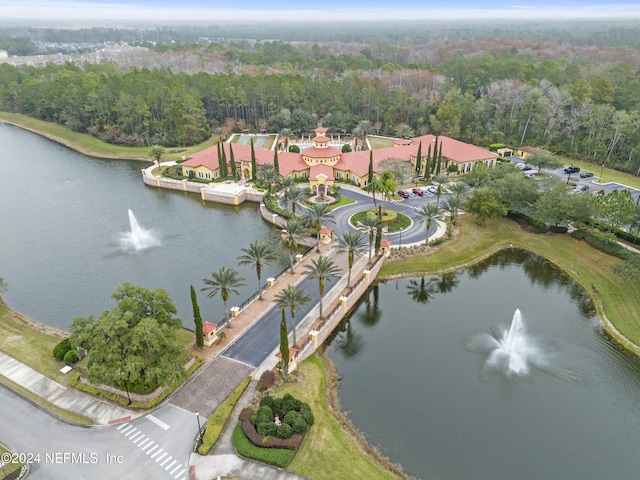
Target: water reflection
(372,313)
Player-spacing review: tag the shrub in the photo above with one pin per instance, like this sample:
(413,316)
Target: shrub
(267,429)
(299,426)
(267,400)
(246,413)
(579,234)
(346,148)
(61,349)
(307,414)
(266,380)
(291,417)
(289,403)
(264,414)
(279,457)
(284,431)
(71,357)
(294,148)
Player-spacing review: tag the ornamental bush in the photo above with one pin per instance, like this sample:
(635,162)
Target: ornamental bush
(284,431)
(71,357)
(307,414)
(267,429)
(61,349)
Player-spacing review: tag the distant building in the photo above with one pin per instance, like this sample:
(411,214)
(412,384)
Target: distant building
(4,54)
(321,164)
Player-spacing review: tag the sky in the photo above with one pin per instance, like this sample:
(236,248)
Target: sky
(260,10)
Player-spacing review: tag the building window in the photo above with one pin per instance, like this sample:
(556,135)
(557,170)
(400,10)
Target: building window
(338,175)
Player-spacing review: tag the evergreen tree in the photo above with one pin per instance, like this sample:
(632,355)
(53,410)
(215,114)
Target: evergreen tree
(379,231)
(370,175)
(224,171)
(232,161)
(419,158)
(254,166)
(276,165)
(284,345)
(439,157)
(197,319)
(427,166)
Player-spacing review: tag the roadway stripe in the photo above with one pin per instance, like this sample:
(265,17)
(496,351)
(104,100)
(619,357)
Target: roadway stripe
(170,465)
(146,442)
(179,473)
(159,450)
(124,425)
(141,439)
(131,432)
(166,460)
(162,456)
(126,429)
(133,437)
(158,422)
(174,470)
(149,452)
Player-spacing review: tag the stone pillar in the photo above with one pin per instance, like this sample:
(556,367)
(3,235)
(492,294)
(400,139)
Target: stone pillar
(235,311)
(314,338)
(203,193)
(343,301)
(271,281)
(184,184)
(367,275)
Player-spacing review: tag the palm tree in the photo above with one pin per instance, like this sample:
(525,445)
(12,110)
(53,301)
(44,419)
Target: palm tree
(388,184)
(285,136)
(291,236)
(459,188)
(285,183)
(352,244)
(293,197)
(451,205)
(373,187)
(430,213)
(224,282)
(258,255)
(370,221)
(269,176)
(316,217)
(404,131)
(322,269)
(292,297)
(440,179)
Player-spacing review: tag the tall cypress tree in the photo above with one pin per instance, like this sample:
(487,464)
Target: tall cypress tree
(254,166)
(232,161)
(439,159)
(419,159)
(427,167)
(224,171)
(370,175)
(284,345)
(197,319)
(276,165)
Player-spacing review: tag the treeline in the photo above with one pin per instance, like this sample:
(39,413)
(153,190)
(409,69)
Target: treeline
(569,32)
(573,109)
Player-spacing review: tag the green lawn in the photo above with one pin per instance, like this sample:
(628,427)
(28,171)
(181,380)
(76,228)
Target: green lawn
(93,147)
(617,300)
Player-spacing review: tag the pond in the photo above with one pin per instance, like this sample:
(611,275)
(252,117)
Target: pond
(414,381)
(64,219)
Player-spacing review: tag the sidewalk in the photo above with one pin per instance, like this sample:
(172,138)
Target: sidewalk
(100,412)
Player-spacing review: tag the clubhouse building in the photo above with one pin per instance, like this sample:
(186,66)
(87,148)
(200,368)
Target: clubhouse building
(321,164)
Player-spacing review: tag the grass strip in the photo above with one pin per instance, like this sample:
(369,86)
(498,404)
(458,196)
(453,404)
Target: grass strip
(218,419)
(278,457)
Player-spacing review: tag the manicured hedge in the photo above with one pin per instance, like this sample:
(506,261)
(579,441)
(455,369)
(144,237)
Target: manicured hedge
(218,419)
(278,457)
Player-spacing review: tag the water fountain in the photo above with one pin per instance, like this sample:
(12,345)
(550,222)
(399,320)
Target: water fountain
(510,351)
(137,239)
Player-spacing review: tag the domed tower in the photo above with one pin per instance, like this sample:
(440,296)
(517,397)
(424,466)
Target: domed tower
(321,158)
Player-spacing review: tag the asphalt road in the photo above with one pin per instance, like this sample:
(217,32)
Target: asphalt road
(57,450)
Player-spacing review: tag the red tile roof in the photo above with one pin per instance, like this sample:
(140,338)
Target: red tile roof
(322,169)
(315,152)
(452,149)
(208,327)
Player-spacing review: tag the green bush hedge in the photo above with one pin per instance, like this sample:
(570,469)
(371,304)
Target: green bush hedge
(279,457)
(218,419)
(61,349)
(71,357)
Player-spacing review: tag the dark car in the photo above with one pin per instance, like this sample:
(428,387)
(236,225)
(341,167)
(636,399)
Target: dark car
(586,174)
(403,194)
(418,192)
(571,169)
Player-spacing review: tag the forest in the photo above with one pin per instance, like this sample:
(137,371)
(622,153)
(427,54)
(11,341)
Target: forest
(540,87)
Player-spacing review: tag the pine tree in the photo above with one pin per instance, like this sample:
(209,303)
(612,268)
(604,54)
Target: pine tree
(197,319)
(284,345)
(370,176)
(232,161)
(254,166)
(276,165)
(419,158)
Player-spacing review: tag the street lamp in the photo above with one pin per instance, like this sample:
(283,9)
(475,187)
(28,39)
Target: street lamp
(401,237)
(199,428)
(601,171)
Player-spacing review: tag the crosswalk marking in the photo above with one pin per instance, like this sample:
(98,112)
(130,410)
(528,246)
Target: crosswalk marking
(177,475)
(166,460)
(174,470)
(154,448)
(153,456)
(162,456)
(170,465)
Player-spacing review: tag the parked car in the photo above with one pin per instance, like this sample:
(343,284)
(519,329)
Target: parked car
(586,174)
(432,189)
(582,188)
(571,169)
(528,175)
(403,194)
(418,191)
